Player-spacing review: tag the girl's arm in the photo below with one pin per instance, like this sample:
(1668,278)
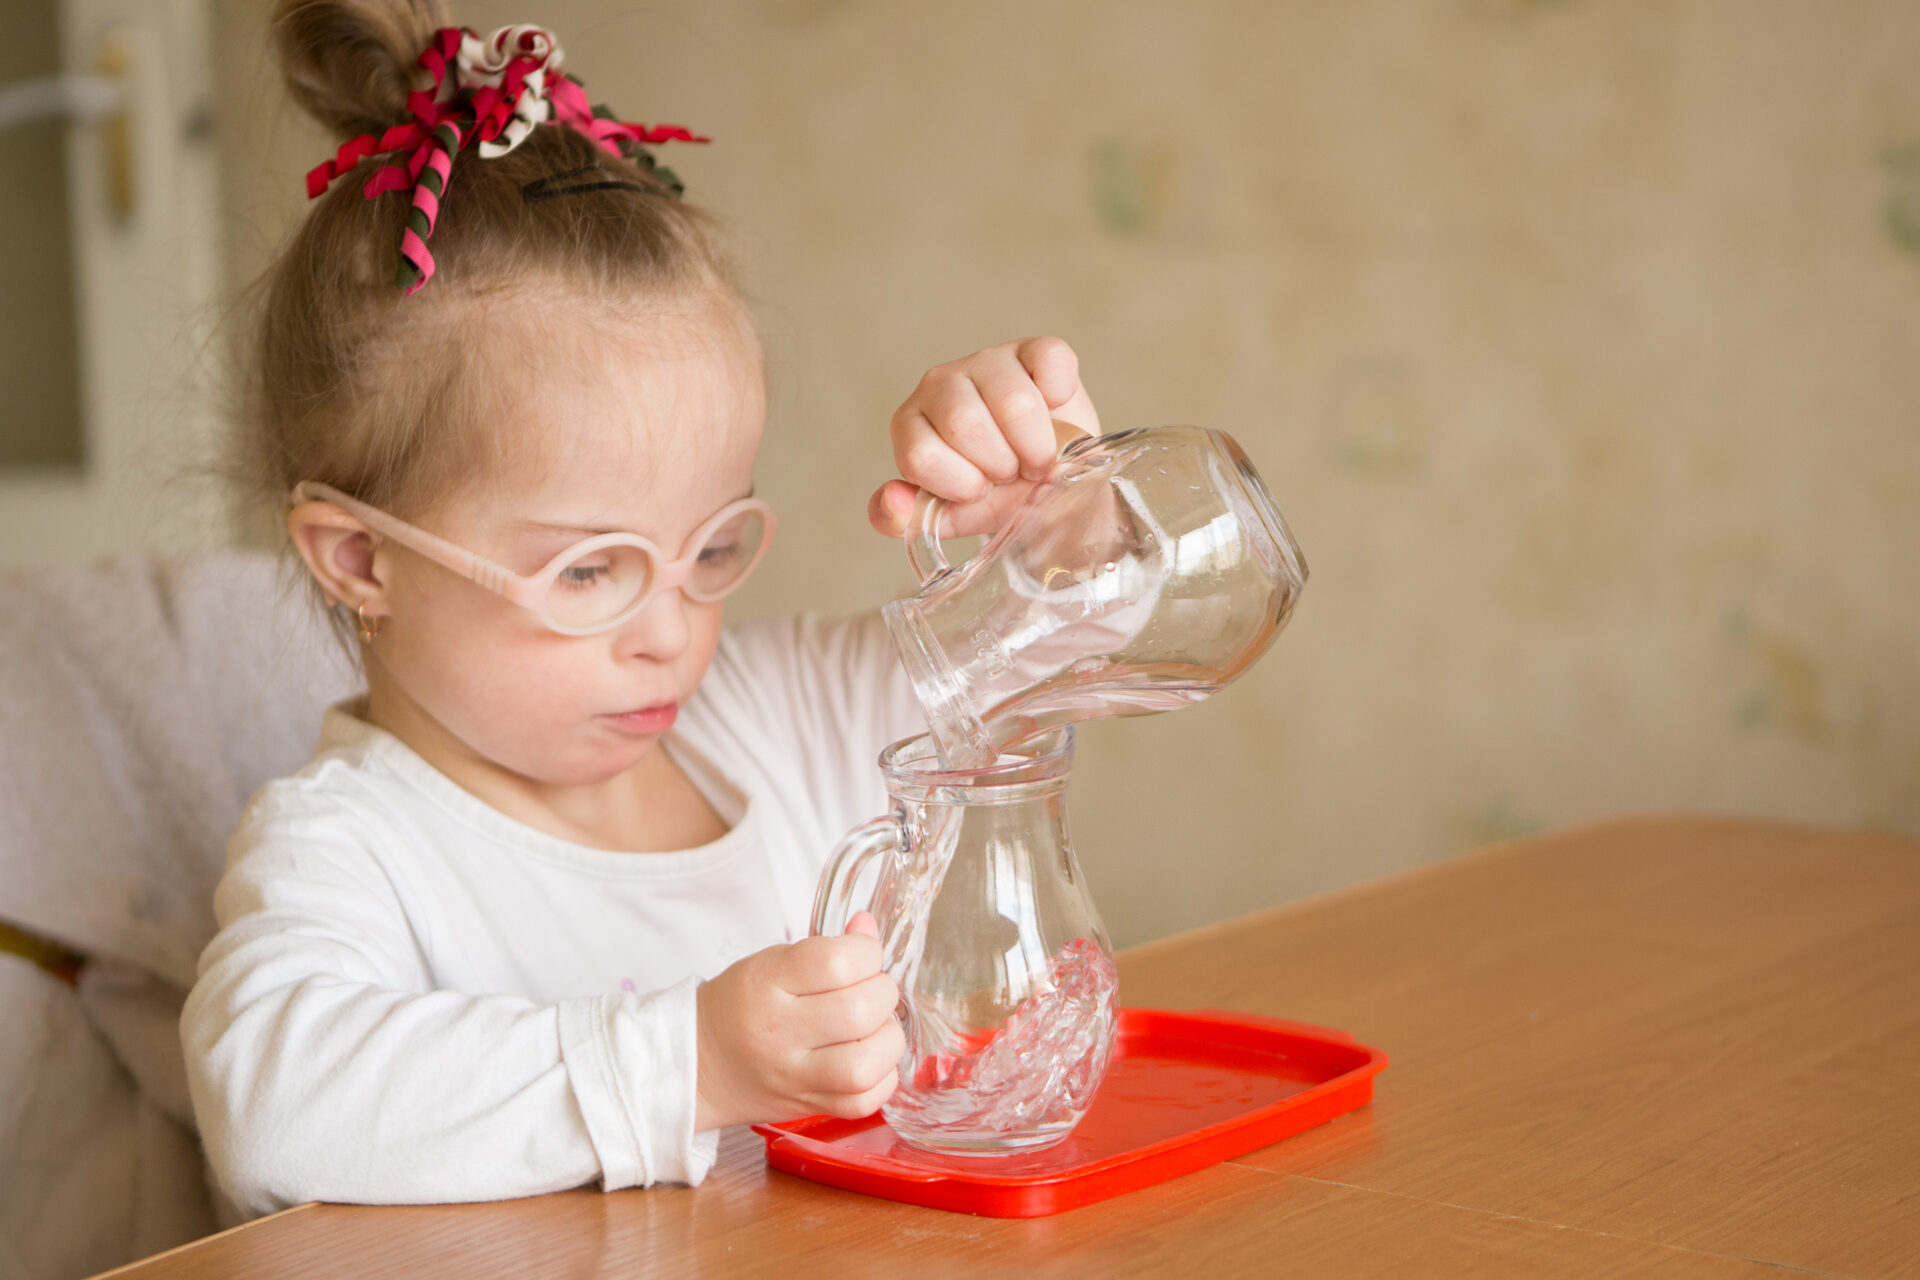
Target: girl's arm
(323,1066)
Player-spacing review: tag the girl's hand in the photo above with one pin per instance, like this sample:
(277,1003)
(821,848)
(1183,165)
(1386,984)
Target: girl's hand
(980,431)
(800,1029)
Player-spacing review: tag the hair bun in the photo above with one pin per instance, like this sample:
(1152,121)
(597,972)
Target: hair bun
(349,63)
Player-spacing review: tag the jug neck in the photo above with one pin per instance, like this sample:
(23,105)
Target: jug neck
(1037,769)
(958,732)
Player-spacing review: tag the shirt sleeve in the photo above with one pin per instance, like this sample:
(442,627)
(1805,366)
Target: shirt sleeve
(324,1066)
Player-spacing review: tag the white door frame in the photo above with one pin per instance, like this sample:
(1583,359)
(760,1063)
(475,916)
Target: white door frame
(145,290)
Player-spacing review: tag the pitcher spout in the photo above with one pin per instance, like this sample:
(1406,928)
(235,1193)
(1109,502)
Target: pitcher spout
(958,731)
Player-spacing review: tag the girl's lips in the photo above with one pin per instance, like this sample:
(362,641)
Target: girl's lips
(647,720)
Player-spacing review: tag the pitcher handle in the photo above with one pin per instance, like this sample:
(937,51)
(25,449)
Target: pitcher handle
(831,909)
(924,552)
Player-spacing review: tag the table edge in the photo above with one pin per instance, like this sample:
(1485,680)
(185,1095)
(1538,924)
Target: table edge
(195,1243)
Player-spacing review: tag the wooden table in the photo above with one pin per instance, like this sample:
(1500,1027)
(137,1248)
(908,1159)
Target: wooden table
(1656,1046)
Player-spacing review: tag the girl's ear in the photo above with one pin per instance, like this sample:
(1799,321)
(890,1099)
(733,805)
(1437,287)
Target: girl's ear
(339,551)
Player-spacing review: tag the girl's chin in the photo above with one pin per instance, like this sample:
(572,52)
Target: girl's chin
(603,767)
(602,758)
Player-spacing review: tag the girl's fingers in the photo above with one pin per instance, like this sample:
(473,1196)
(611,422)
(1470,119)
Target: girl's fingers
(854,1066)
(971,426)
(979,432)
(995,511)
(857,1106)
(848,1015)
(814,965)
(891,507)
(1079,412)
(1024,425)
(926,459)
(1053,367)
(989,515)
(890,510)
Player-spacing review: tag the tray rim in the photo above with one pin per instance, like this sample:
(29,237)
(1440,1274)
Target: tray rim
(1034,1193)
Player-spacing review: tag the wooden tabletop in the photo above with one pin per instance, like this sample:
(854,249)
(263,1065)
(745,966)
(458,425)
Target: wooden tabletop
(1654,1046)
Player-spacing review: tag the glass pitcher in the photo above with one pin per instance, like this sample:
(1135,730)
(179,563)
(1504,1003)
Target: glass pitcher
(1150,569)
(1008,988)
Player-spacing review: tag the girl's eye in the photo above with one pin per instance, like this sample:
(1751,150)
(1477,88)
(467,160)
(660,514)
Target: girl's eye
(712,557)
(579,577)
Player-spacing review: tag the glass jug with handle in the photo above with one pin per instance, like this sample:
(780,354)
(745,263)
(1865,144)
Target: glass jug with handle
(1150,569)
(1008,989)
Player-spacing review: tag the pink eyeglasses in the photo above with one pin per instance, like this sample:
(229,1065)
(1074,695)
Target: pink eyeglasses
(600,582)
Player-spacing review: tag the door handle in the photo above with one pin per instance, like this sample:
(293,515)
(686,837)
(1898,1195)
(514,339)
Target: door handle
(103,97)
(77,97)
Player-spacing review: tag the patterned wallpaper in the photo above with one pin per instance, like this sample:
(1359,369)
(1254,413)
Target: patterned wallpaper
(1580,343)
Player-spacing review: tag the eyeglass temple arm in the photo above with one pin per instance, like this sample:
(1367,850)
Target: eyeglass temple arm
(468,564)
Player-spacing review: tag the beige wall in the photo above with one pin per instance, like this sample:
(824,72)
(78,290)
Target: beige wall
(1580,343)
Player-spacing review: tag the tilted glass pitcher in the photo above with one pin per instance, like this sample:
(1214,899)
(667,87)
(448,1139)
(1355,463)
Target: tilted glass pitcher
(1150,569)
(1008,989)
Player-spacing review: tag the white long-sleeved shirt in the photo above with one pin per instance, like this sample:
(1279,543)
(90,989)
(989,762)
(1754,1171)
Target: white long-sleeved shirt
(414,998)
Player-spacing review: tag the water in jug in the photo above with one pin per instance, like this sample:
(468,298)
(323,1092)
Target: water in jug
(1008,988)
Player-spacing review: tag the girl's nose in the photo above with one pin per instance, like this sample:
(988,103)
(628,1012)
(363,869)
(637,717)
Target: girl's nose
(660,631)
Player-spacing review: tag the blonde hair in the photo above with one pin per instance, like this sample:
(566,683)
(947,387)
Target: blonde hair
(386,396)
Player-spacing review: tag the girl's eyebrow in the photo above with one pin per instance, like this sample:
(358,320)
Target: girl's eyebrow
(541,526)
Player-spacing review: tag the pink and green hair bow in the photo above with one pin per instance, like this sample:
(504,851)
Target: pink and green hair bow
(490,94)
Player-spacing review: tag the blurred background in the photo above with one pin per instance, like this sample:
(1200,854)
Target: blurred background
(1580,343)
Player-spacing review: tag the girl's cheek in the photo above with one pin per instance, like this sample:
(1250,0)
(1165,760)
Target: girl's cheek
(706,637)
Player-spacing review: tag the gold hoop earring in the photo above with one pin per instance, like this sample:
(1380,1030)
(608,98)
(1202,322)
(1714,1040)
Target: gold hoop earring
(368,630)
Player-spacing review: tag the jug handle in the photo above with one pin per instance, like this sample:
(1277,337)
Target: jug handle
(831,910)
(924,553)
(923,527)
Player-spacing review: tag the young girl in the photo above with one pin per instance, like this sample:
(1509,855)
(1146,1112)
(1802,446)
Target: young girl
(535,913)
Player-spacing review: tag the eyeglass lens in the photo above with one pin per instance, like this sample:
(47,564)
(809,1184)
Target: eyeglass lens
(602,583)
(727,555)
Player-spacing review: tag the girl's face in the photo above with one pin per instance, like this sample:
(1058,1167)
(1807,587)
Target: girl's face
(647,425)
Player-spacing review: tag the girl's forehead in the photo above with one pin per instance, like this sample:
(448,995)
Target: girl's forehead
(624,414)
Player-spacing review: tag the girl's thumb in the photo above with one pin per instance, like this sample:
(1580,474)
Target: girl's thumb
(863,922)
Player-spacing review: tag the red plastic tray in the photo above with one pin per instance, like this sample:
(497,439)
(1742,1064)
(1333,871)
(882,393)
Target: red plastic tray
(1185,1090)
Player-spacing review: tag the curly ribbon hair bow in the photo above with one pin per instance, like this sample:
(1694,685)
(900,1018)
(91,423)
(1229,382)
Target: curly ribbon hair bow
(499,89)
